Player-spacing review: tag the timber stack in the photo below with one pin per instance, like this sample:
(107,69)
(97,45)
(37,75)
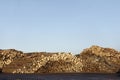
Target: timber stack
(95,59)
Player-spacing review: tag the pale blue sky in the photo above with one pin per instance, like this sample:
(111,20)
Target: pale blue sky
(59,25)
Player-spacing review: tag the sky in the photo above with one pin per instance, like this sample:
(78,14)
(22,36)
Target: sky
(59,25)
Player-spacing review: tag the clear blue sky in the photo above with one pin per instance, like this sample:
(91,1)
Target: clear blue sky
(59,25)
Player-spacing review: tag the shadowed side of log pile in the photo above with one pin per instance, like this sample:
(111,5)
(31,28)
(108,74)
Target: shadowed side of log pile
(55,67)
(61,66)
(0,70)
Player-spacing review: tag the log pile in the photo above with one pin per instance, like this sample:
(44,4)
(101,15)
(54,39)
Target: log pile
(103,60)
(91,60)
(9,55)
(61,63)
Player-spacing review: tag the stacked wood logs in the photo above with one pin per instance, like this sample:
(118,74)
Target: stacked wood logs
(91,60)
